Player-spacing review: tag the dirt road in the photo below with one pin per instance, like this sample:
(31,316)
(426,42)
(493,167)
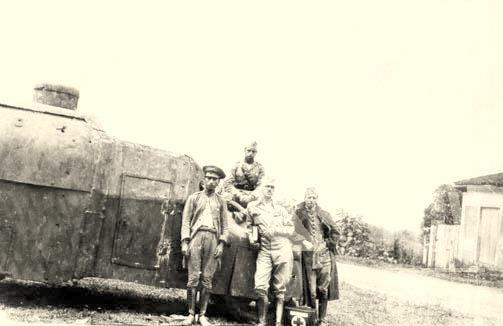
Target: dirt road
(417,289)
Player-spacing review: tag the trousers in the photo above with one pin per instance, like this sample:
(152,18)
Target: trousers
(319,281)
(202,263)
(276,264)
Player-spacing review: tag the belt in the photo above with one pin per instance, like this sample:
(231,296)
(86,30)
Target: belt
(207,229)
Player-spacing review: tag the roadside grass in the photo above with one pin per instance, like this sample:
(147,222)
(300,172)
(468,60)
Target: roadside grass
(94,301)
(474,279)
(110,302)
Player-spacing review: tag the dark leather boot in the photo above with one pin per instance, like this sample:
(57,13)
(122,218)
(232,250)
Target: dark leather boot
(280,302)
(203,305)
(322,311)
(191,302)
(262,305)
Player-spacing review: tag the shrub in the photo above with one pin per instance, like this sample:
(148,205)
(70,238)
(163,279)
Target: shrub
(354,237)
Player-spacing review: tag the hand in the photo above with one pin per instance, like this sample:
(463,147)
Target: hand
(163,250)
(297,255)
(185,248)
(248,198)
(255,246)
(331,244)
(266,232)
(307,245)
(219,250)
(255,193)
(239,217)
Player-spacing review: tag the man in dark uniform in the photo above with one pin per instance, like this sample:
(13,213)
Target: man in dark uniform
(204,233)
(244,179)
(320,270)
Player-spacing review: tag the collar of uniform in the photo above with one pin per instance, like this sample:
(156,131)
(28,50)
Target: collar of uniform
(244,163)
(315,210)
(261,202)
(213,194)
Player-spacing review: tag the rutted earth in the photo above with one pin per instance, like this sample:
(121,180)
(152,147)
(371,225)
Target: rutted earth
(369,296)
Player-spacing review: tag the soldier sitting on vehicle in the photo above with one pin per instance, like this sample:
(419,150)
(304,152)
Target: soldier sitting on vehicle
(244,179)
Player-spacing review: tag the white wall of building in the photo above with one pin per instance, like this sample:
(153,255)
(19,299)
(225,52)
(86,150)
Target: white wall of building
(481,230)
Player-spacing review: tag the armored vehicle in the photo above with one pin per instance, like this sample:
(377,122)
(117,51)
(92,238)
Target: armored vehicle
(75,202)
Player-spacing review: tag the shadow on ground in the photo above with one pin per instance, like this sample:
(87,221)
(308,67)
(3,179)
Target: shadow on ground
(102,301)
(24,294)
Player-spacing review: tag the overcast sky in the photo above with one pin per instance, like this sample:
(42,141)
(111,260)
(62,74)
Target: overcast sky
(375,103)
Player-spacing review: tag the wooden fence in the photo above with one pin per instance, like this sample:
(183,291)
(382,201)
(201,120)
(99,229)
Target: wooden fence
(443,246)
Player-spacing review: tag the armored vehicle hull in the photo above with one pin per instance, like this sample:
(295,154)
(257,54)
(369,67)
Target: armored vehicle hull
(75,202)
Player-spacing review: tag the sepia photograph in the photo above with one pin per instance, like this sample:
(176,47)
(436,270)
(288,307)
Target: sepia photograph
(297,163)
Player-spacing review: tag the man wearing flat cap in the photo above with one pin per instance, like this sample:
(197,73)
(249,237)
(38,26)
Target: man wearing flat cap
(275,257)
(204,233)
(317,226)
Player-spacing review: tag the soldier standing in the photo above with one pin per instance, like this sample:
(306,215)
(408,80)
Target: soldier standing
(275,257)
(204,233)
(318,227)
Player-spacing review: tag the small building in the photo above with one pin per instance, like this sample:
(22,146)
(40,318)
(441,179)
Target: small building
(480,237)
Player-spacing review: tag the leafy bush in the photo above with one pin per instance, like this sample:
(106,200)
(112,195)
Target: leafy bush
(444,209)
(359,239)
(407,249)
(354,237)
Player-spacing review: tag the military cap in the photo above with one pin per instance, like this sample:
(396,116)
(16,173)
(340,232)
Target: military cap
(252,146)
(268,181)
(311,192)
(214,169)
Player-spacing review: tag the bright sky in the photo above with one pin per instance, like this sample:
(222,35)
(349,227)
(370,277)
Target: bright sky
(375,103)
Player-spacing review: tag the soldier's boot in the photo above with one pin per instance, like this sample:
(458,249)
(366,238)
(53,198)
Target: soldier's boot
(191,301)
(262,305)
(280,302)
(205,298)
(315,305)
(322,311)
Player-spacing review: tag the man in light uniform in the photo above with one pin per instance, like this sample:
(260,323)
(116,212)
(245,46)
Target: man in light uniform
(203,235)
(275,257)
(318,227)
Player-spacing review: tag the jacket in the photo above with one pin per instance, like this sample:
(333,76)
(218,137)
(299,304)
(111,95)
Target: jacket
(301,220)
(192,211)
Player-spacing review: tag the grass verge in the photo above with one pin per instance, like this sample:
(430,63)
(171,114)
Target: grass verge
(109,302)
